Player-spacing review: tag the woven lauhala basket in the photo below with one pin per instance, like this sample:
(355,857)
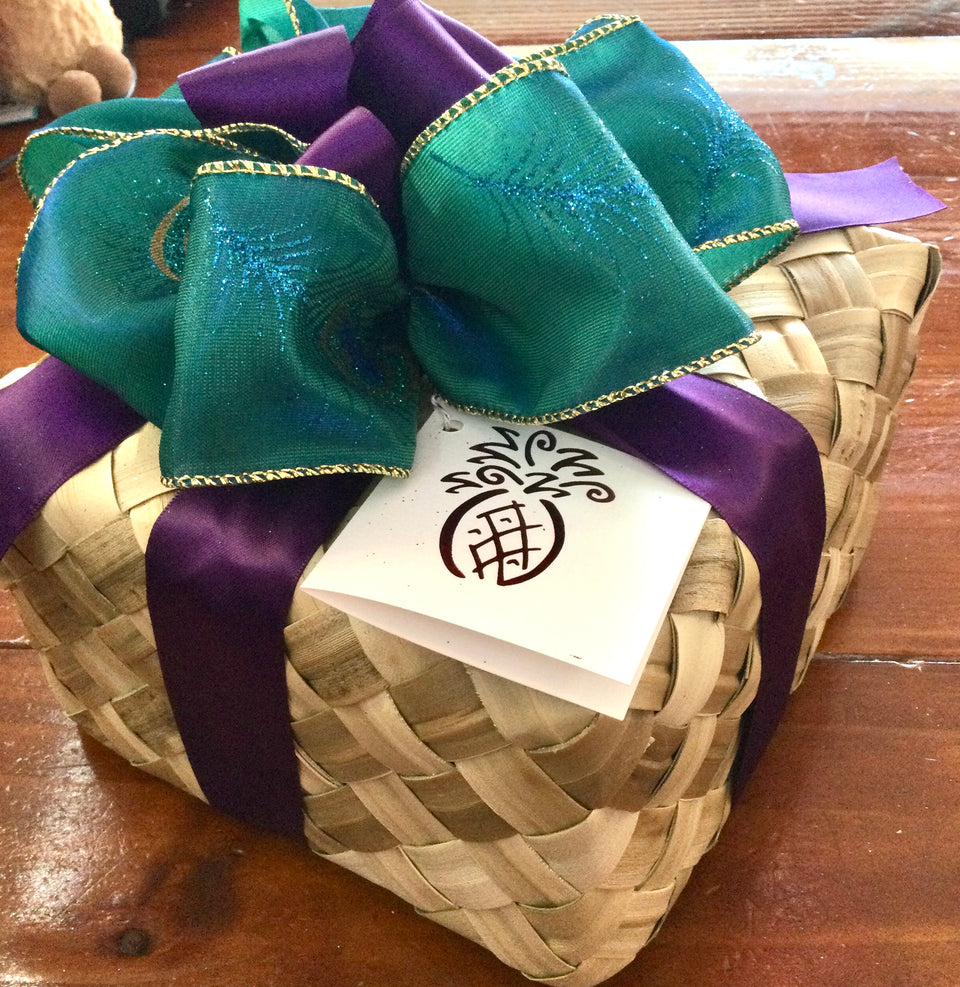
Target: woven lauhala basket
(556,837)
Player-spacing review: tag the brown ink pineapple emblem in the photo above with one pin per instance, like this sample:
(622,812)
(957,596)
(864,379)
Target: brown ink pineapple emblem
(512,529)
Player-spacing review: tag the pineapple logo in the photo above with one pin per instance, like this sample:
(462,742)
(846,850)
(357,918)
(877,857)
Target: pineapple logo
(511,530)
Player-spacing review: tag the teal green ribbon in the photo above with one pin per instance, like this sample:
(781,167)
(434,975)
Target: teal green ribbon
(264,316)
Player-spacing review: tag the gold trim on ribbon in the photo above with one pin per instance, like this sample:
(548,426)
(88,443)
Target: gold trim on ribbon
(745,236)
(613,397)
(510,73)
(248,166)
(614,22)
(292,14)
(789,226)
(114,138)
(291,473)
(245,166)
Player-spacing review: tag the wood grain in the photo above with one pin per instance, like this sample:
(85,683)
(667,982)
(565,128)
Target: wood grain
(517,21)
(837,867)
(839,864)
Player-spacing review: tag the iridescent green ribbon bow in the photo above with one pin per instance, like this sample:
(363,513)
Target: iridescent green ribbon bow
(568,230)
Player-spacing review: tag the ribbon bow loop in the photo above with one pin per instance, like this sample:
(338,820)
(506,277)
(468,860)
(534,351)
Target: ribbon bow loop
(553,280)
(288,333)
(104,301)
(721,184)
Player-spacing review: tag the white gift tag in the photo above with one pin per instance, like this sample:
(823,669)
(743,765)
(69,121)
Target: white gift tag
(531,553)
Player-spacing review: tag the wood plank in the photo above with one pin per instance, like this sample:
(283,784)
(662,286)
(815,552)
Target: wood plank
(12,631)
(856,75)
(838,865)
(517,21)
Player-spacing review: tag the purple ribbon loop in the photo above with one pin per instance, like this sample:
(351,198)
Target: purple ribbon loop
(409,68)
(299,85)
(359,145)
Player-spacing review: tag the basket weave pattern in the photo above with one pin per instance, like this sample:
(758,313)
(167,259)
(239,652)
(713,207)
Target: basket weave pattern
(555,837)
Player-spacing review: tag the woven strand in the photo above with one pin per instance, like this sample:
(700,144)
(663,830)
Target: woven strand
(555,837)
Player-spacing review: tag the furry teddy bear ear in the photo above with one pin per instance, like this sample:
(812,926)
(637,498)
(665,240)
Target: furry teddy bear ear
(111,68)
(139,17)
(71,90)
(104,72)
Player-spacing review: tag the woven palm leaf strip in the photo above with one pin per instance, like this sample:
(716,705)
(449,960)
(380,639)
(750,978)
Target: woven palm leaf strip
(555,837)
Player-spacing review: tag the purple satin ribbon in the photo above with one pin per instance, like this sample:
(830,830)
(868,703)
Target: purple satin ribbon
(300,86)
(882,193)
(222,565)
(409,67)
(53,423)
(358,144)
(760,470)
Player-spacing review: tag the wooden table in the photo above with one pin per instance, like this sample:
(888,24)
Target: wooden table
(839,866)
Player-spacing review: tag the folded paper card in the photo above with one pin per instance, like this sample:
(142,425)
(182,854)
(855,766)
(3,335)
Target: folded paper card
(540,556)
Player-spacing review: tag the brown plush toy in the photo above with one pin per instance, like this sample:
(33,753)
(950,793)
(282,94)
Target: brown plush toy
(61,53)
